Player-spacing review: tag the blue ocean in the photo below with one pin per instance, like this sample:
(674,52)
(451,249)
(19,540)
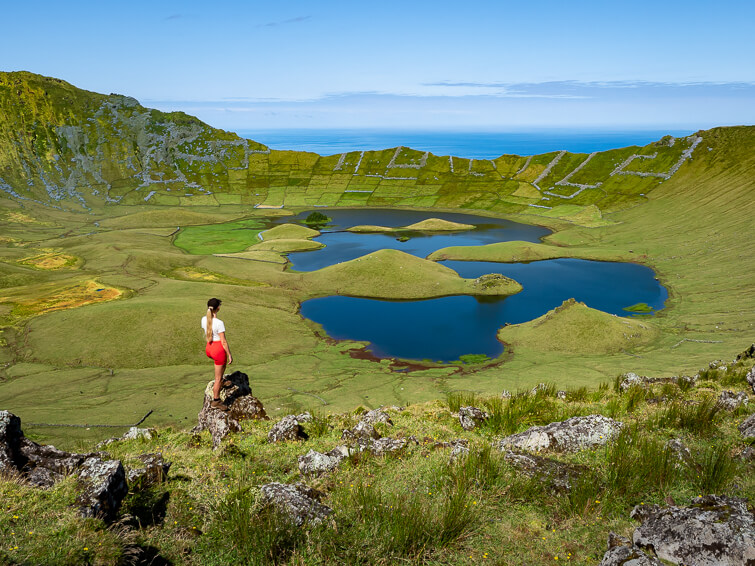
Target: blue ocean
(477,145)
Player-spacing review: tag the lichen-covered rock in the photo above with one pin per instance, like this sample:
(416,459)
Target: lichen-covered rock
(559,477)
(730,401)
(315,463)
(680,451)
(621,552)
(712,531)
(383,446)
(458,451)
(376,416)
(751,378)
(132,434)
(362,433)
(242,405)
(154,470)
(747,428)
(470,417)
(103,487)
(631,379)
(288,428)
(299,502)
(305,417)
(571,435)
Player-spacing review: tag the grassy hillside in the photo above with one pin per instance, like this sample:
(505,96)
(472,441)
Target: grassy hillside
(685,212)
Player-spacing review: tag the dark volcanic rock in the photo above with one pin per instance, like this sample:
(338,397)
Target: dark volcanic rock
(747,428)
(288,428)
(621,552)
(103,484)
(712,531)
(470,417)
(238,397)
(300,502)
(571,435)
(154,470)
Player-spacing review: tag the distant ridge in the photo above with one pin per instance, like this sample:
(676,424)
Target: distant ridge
(63,146)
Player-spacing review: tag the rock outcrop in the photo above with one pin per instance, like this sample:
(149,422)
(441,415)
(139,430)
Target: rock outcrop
(712,531)
(154,470)
(470,417)
(103,487)
(288,428)
(315,463)
(571,435)
(621,552)
(131,434)
(747,428)
(731,401)
(299,502)
(242,405)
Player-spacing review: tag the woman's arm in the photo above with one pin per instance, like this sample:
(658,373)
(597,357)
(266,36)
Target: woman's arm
(226,347)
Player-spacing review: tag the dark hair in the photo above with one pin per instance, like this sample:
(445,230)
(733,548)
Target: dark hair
(212,305)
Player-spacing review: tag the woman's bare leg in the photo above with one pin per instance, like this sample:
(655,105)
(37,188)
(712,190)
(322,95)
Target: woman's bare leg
(219,371)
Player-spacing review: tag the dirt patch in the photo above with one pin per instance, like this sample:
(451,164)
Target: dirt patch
(86,293)
(50,260)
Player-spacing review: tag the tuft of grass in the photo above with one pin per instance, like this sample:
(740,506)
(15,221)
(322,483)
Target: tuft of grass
(700,418)
(460,398)
(715,469)
(523,409)
(633,397)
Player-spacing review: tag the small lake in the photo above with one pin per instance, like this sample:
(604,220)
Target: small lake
(446,328)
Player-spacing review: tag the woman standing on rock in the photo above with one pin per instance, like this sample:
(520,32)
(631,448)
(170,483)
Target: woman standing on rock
(217,349)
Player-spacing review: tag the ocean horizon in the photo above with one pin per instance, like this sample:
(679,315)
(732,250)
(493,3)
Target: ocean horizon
(469,144)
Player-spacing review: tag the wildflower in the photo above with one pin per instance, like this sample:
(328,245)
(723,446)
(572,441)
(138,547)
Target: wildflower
(85,548)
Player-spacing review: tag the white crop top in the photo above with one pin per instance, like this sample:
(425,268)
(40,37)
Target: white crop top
(217,327)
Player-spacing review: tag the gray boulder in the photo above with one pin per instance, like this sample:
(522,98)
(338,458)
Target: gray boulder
(621,552)
(376,416)
(631,379)
(154,470)
(459,451)
(712,531)
(103,487)
(571,435)
(132,434)
(383,446)
(362,433)
(470,417)
(299,502)
(305,417)
(747,428)
(288,428)
(315,463)
(730,401)
(751,378)
(242,404)
(558,476)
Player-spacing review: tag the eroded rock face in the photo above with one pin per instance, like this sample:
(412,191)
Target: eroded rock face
(621,552)
(38,464)
(238,397)
(470,417)
(288,428)
(315,463)
(571,435)
(731,401)
(103,487)
(154,470)
(300,502)
(712,531)
(747,428)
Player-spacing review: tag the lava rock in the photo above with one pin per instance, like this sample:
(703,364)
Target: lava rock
(103,484)
(747,428)
(315,463)
(730,401)
(470,417)
(154,470)
(299,502)
(288,428)
(571,435)
(621,552)
(242,404)
(713,530)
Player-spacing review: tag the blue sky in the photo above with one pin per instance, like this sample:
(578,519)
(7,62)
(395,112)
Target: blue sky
(476,65)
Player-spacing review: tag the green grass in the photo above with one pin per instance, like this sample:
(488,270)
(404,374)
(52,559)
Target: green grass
(228,237)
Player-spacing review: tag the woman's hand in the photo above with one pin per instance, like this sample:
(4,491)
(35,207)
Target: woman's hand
(230,359)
